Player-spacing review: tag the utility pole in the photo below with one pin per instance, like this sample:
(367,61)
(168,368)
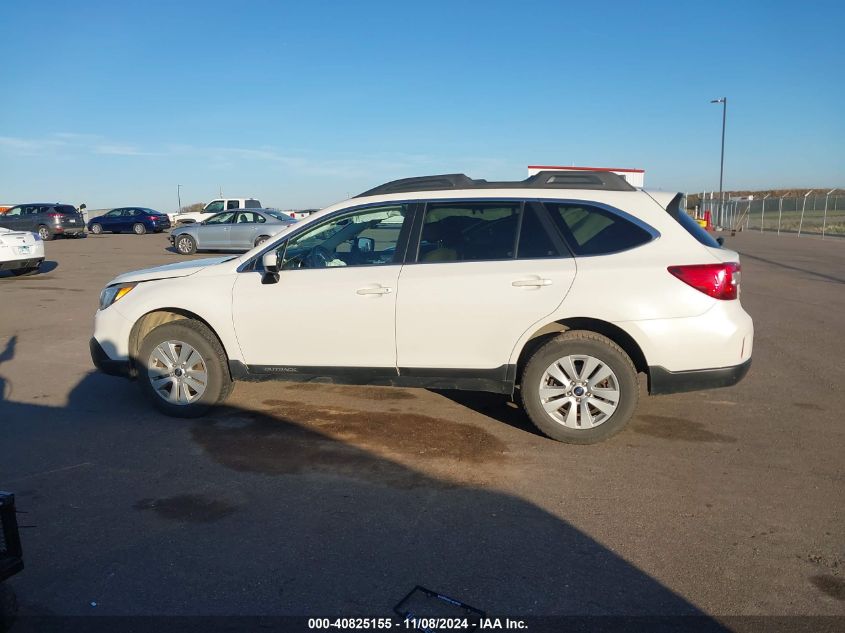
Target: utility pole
(724,102)
(179,196)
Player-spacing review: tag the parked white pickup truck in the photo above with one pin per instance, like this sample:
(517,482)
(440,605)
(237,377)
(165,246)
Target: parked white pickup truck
(215,206)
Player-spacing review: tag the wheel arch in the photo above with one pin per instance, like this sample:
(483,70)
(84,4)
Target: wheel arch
(152,319)
(605,328)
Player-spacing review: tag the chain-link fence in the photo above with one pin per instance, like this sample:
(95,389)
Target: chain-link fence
(813,214)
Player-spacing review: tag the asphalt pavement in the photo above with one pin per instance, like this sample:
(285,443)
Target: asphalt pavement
(321,499)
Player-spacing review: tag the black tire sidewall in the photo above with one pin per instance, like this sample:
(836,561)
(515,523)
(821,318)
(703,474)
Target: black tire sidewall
(201,339)
(609,354)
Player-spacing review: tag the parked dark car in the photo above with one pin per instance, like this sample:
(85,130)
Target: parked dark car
(48,219)
(139,220)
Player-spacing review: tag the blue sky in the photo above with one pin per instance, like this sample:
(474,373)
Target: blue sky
(303,103)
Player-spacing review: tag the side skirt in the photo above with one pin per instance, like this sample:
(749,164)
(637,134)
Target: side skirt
(497,380)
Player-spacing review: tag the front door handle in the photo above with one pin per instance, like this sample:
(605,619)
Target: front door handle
(377,290)
(535,283)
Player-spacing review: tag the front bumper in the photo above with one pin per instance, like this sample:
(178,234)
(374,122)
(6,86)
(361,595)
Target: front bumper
(122,368)
(662,381)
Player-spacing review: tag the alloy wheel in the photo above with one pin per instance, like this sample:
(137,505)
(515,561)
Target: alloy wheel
(177,372)
(579,391)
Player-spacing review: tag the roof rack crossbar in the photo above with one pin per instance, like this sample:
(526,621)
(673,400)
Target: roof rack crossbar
(550,179)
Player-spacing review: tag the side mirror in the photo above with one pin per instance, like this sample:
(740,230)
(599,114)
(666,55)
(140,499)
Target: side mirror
(721,241)
(365,245)
(270,261)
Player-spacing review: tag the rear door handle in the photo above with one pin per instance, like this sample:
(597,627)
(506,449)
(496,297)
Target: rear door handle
(378,290)
(522,283)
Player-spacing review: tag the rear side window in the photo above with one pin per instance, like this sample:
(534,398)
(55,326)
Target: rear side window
(252,204)
(692,227)
(534,240)
(592,230)
(469,231)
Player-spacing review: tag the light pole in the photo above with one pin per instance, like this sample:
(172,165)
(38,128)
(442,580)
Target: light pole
(763,214)
(179,196)
(803,206)
(724,102)
(826,198)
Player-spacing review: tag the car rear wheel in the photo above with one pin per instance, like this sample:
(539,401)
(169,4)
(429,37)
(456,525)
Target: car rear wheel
(261,239)
(139,229)
(186,245)
(580,388)
(96,229)
(44,233)
(183,369)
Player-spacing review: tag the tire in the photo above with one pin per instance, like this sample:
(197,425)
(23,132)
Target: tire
(190,401)
(186,245)
(577,352)
(261,239)
(44,233)
(97,229)
(139,229)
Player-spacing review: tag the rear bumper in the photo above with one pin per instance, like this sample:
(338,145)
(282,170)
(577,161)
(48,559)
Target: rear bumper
(122,368)
(662,381)
(15,264)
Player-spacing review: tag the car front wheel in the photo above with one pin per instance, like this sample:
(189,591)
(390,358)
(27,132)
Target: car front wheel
(183,369)
(186,245)
(580,388)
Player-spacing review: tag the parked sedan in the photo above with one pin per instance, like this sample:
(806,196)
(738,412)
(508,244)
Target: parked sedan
(20,251)
(139,220)
(48,219)
(230,231)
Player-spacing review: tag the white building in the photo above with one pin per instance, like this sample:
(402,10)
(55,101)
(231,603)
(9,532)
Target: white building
(635,177)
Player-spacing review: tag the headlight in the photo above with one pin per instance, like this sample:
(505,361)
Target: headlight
(110,294)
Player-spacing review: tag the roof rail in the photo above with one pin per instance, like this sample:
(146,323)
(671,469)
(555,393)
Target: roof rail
(550,179)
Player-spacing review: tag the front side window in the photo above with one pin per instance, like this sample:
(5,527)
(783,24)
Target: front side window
(590,230)
(114,213)
(221,218)
(215,206)
(14,212)
(469,231)
(366,237)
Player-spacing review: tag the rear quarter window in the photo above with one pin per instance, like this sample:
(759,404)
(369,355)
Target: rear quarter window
(690,225)
(591,230)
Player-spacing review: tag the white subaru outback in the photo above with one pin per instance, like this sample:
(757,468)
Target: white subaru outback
(560,288)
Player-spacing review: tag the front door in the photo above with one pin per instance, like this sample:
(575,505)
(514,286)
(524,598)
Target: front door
(333,307)
(214,232)
(486,272)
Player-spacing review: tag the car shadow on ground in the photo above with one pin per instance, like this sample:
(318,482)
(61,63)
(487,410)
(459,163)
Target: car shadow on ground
(273,512)
(47,266)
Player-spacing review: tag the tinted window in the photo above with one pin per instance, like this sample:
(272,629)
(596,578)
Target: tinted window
(279,215)
(252,204)
(365,237)
(221,218)
(594,231)
(231,204)
(215,206)
(66,208)
(469,231)
(534,240)
(15,211)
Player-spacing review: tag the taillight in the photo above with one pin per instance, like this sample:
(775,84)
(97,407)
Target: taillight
(720,281)
(55,215)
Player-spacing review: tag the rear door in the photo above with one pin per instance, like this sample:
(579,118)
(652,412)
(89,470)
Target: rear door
(485,272)
(245,229)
